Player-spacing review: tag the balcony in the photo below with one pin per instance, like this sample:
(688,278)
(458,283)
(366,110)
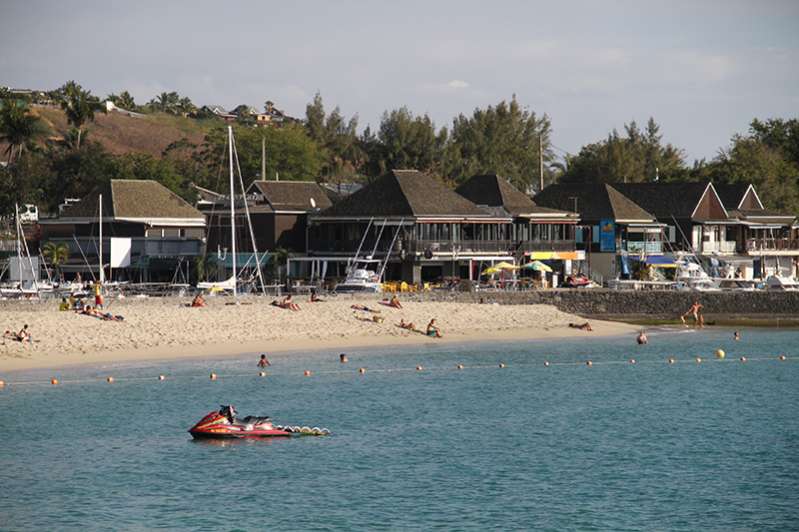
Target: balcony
(755,246)
(503,247)
(644,247)
(723,247)
(142,247)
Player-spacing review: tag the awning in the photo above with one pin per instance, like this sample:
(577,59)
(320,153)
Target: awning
(659,261)
(556,255)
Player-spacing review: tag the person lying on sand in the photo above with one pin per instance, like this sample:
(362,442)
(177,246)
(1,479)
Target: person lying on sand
(364,308)
(582,326)
(433,330)
(372,319)
(289,304)
(23,335)
(198,301)
(409,326)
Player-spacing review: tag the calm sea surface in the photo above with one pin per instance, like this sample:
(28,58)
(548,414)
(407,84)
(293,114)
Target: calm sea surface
(650,446)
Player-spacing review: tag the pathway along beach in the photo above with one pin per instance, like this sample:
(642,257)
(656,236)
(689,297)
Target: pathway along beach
(165,328)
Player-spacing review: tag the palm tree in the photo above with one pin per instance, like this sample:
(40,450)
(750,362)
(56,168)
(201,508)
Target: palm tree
(125,101)
(18,127)
(79,106)
(56,254)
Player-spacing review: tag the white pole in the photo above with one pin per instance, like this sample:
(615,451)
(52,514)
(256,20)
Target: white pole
(232,210)
(102,272)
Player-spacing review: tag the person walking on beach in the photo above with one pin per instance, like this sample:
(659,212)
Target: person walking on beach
(695,311)
(263,362)
(98,295)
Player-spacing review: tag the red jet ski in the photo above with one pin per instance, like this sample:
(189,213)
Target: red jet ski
(225,424)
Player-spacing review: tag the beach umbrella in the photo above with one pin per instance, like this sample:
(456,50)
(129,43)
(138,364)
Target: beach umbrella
(505,266)
(491,271)
(537,266)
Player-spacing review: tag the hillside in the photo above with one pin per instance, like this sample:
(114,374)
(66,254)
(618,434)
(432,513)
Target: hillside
(119,133)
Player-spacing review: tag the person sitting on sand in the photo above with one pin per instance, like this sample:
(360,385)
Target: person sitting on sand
(695,311)
(582,326)
(64,305)
(409,325)
(642,339)
(289,304)
(24,335)
(263,362)
(198,301)
(394,302)
(314,297)
(433,330)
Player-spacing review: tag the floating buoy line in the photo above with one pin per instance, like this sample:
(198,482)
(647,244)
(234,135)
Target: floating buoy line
(213,376)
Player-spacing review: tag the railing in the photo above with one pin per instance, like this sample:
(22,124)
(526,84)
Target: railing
(724,246)
(646,247)
(753,245)
(442,246)
(145,247)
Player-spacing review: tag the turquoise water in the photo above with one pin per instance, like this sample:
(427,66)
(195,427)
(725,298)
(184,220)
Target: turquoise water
(615,446)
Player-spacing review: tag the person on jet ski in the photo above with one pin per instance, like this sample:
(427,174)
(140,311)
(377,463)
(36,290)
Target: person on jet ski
(229,412)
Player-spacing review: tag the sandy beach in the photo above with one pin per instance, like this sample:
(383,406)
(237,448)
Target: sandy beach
(164,328)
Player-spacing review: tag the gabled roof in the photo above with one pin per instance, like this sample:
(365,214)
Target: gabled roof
(404,193)
(664,200)
(292,195)
(490,190)
(594,202)
(134,200)
(733,194)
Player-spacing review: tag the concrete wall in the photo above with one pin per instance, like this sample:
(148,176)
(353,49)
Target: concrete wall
(647,303)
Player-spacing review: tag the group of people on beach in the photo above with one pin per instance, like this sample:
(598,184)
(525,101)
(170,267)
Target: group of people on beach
(432,329)
(23,336)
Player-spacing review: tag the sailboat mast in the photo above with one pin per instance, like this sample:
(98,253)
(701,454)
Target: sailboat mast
(102,273)
(232,209)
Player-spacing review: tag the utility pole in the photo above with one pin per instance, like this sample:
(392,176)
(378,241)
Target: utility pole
(263,158)
(540,163)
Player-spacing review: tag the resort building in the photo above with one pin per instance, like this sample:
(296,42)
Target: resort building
(149,232)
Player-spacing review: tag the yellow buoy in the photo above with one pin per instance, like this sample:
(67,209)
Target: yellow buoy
(109,379)
(161,377)
(361,370)
(589,363)
(720,354)
(212,376)
(53,381)
(782,357)
(307,373)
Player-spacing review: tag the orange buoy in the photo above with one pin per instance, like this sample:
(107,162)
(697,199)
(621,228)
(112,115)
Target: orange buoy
(743,359)
(419,368)
(361,370)
(546,363)
(262,374)
(53,381)
(307,373)
(212,376)
(501,365)
(2,384)
(632,361)
(161,377)
(459,366)
(109,380)
(589,363)
(782,357)
(671,360)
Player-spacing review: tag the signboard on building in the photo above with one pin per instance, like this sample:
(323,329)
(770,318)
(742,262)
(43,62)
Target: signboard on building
(607,236)
(120,252)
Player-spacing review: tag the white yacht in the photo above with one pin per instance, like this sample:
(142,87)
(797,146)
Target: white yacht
(360,278)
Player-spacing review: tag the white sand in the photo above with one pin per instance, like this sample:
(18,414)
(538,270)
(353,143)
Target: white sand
(161,328)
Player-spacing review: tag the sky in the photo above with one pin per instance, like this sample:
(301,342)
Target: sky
(703,70)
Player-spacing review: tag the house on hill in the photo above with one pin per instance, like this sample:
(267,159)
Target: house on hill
(148,231)
(439,233)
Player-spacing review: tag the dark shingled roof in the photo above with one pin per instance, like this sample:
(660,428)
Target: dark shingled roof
(665,200)
(133,198)
(407,193)
(731,194)
(494,191)
(293,195)
(594,202)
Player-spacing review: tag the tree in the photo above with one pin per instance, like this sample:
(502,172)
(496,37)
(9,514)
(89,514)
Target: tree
(503,139)
(337,138)
(56,254)
(18,127)
(79,105)
(123,100)
(633,157)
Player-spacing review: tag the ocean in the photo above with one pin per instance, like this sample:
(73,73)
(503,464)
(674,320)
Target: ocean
(613,446)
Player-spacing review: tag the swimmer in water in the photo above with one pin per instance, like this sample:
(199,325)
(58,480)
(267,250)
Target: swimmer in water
(642,339)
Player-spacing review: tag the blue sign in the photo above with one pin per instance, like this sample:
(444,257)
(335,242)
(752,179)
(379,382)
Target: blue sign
(607,236)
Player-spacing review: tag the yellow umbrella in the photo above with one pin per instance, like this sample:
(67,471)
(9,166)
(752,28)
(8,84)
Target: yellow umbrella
(506,266)
(491,271)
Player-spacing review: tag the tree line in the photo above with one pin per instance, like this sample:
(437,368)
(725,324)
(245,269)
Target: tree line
(326,146)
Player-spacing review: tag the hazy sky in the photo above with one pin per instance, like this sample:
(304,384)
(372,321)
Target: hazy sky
(702,69)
